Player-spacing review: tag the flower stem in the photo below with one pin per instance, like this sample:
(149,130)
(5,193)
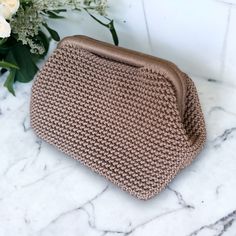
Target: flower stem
(109,25)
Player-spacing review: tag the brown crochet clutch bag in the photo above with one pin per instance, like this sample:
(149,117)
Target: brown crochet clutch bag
(133,118)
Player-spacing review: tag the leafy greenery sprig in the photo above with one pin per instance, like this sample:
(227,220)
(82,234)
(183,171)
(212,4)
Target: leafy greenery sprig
(30,34)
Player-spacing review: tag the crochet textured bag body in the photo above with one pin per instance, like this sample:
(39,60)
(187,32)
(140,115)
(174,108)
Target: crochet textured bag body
(131,117)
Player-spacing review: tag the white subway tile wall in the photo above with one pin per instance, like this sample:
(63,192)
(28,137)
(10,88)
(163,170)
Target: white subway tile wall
(199,36)
(189,33)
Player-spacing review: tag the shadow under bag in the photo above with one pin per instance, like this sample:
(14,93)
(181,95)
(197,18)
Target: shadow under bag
(131,117)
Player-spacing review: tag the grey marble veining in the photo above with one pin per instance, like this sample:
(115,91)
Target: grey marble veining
(43,192)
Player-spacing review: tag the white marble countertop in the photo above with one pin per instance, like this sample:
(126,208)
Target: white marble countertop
(43,192)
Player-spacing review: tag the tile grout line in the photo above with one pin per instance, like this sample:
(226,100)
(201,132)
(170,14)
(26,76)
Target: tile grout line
(225,41)
(147,27)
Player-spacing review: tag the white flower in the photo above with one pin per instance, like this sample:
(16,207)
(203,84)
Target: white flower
(5,11)
(5,28)
(9,7)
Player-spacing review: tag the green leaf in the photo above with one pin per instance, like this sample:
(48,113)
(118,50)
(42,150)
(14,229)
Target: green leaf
(5,64)
(60,10)
(4,49)
(52,32)
(2,41)
(6,45)
(21,56)
(54,15)
(10,81)
(42,38)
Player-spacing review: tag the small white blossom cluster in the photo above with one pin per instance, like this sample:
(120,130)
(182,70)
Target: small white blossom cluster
(25,20)
(99,6)
(7,9)
(26,26)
